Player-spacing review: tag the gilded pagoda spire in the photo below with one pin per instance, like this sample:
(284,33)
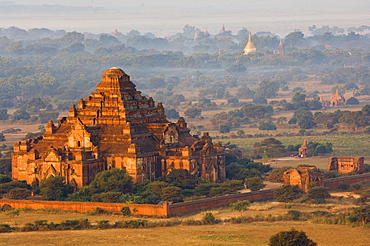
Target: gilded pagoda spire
(249,48)
(281,50)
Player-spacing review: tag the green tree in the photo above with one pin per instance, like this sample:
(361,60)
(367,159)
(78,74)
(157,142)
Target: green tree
(281,120)
(171,193)
(181,178)
(277,174)
(259,100)
(209,219)
(240,206)
(223,128)
(18,193)
(156,83)
(352,101)
(109,197)
(304,118)
(267,89)
(125,211)
(156,187)
(291,238)
(21,115)
(272,146)
(192,112)
(287,193)
(341,89)
(4,114)
(254,184)
(4,179)
(172,113)
(203,189)
(352,119)
(55,189)
(245,93)
(266,125)
(35,103)
(298,97)
(117,180)
(46,116)
(318,193)
(363,213)
(328,119)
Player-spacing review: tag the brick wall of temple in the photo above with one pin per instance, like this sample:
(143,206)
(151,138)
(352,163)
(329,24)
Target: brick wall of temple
(140,209)
(185,207)
(334,183)
(166,210)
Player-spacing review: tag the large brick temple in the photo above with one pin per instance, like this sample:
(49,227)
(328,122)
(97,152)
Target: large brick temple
(116,127)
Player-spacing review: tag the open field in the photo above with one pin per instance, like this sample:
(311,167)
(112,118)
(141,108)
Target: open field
(343,144)
(255,233)
(223,234)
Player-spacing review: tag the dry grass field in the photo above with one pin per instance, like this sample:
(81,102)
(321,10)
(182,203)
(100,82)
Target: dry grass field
(256,233)
(253,234)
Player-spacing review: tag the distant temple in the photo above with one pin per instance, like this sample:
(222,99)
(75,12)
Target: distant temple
(249,47)
(303,150)
(337,100)
(281,50)
(223,30)
(116,127)
(345,164)
(304,177)
(323,103)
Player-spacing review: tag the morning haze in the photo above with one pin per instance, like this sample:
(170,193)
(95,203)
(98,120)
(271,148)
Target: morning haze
(162,18)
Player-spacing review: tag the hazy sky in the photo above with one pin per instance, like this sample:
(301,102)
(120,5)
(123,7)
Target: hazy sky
(168,17)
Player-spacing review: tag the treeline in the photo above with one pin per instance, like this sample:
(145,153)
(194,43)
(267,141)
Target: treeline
(116,185)
(67,65)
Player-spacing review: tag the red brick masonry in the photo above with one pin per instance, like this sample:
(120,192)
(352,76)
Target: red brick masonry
(166,210)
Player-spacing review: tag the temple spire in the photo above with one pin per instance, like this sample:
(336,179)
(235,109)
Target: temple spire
(249,48)
(281,50)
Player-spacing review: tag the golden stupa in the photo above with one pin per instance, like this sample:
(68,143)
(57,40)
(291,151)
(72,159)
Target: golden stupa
(249,48)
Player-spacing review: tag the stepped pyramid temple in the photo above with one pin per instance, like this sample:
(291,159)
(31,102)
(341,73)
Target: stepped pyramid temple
(337,99)
(249,47)
(116,127)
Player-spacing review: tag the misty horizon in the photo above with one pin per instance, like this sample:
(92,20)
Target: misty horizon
(164,19)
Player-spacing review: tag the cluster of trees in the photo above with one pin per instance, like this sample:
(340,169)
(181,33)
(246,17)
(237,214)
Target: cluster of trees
(29,110)
(271,147)
(116,186)
(351,119)
(315,148)
(65,65)
(244,115)
(14,189)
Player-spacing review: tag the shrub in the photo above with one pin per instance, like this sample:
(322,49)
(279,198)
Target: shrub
(209,219)
(103,224)
(292,237)
(5,228)
(344,187)
(352,101)
(125,211)
(18,193)
(294,214)
(240,206)
(318,193)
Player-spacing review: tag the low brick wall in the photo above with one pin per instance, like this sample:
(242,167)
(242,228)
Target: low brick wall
(334,183)
(184,207)
(139,209)
(166,210)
